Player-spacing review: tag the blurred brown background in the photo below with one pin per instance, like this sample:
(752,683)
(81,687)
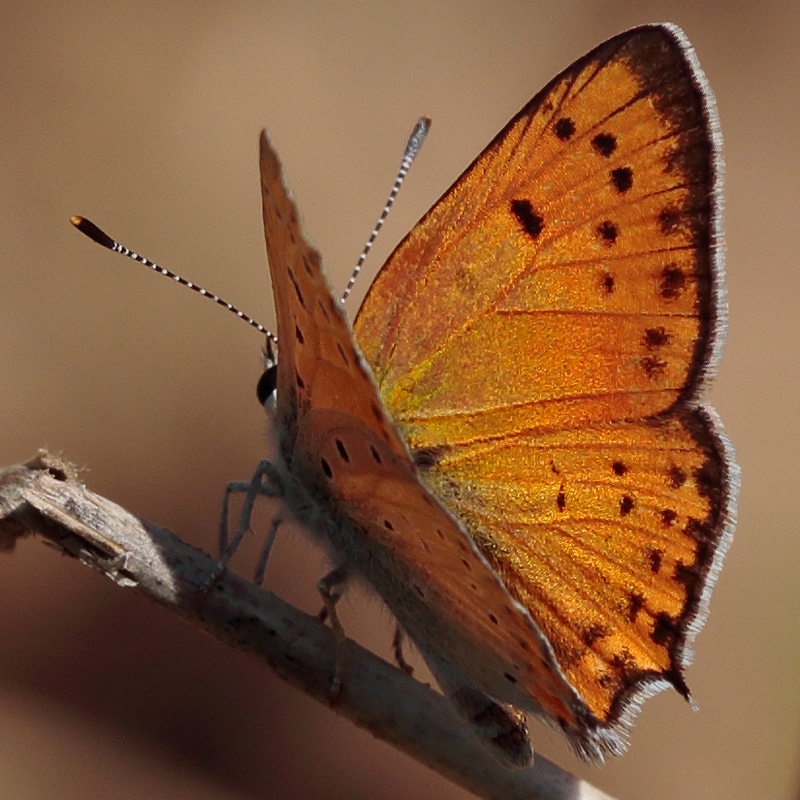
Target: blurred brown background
(145,117)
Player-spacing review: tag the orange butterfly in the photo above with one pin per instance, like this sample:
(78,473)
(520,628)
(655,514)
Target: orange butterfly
(511,449)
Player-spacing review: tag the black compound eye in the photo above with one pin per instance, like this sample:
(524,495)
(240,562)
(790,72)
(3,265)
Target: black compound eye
(267,384)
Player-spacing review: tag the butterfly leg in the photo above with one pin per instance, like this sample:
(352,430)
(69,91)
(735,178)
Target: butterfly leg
(266,481)
(397,647)
(501,728)
(261,567)
(330,587)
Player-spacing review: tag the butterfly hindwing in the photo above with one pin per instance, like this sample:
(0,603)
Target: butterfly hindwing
(610,536)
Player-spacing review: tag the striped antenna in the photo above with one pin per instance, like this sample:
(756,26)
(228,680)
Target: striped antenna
(101,237)
(412,148)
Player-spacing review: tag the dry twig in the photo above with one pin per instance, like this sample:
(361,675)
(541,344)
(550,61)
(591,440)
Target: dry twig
(44,497)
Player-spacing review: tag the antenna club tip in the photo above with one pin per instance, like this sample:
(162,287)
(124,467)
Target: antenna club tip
(421,128)
(91,230)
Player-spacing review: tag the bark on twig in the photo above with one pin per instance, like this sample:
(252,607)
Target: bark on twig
(44,497)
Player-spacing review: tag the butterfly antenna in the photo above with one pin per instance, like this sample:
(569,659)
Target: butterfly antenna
(101,237)
(412,148)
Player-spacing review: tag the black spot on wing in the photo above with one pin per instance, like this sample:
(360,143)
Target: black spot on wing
(345,456)
(426,457)
(625,505)
(666,629)
(605,144)
(622,179)
(655,337)
(564,129)
(625,663)
(677,477)
(689,574)
(297,289)
(653,367)
(668,516)
(635,605)
(531,222)
(672,281)
(709,480)
(655,557)
(669,220)
(593,633)
(606,680)
(608,232)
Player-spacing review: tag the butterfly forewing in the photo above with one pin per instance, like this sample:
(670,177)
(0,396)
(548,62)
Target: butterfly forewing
(580,238)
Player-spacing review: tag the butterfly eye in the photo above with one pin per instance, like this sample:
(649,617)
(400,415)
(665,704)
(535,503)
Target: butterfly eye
(267,384)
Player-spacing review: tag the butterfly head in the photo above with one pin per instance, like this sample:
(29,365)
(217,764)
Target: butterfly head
(266,389)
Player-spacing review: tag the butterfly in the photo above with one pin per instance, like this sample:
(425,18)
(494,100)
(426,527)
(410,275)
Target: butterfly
(509,444)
